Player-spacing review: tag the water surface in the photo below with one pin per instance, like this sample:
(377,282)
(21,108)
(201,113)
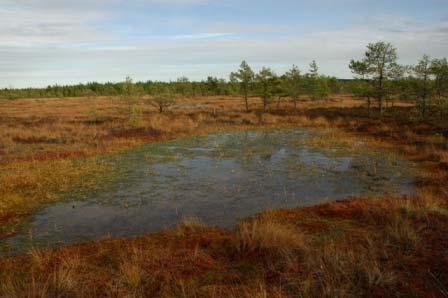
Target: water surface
(219,178)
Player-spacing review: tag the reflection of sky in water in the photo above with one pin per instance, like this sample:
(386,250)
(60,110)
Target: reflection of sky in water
(219,178)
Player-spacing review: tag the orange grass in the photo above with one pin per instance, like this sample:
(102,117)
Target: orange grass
(323,251)
(384,247)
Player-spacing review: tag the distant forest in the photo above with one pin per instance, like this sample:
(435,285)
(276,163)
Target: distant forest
(377,77)
(182,86)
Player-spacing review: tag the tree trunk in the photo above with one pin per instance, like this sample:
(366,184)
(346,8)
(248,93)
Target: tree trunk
(441,107)
(368,105)
(380,89)
(160,109)
(380,105)
(246,100)
(424,105)
(425,92)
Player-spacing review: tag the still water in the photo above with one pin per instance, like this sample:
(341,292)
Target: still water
(219,178)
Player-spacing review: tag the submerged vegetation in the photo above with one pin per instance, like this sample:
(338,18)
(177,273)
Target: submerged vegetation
(389,246)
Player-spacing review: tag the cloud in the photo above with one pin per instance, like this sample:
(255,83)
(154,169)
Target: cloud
(26,28)
(70,5)
(169,58)
(169,2)
(201,36)
(53,41)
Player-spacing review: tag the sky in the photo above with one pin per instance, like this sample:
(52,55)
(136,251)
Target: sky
(46,42)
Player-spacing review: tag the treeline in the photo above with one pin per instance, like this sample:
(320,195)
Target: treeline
(318,86)
(378,78)
(382,79)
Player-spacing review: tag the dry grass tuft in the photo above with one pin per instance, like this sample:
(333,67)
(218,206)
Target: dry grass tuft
(420,207)
(401,234)
(320,122)
(340,271)
(191,222)
(39,258)
(269,119)
(131,274)
(260,290)
(265,235)
(64,281)
(166,124)
(188,225)
(444,157)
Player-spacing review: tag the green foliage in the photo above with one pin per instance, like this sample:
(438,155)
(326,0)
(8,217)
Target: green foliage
(135,114)
(359,68)
(362,89)
(245,77)
(316,86)
(131,95)
(322,91)
(334,85)
(163,99)
(293,84)
(377,67)
(379,76)
(183,87)
(266,82)
(422,72)
(439,69)
(314,70)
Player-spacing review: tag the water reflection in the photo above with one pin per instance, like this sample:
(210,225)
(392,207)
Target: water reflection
(219,178)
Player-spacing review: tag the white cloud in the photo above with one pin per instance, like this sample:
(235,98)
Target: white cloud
(53,41)
(27,28)
(201,36)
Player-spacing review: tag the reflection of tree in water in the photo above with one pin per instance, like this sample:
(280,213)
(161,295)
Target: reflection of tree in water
(221,178)
(274,163)
(257,148)
(243,147)
(271,159)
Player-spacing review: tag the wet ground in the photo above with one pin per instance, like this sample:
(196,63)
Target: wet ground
(219,178)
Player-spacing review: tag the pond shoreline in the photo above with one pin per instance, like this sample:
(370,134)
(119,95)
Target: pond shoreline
(205,176)
(361,246)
